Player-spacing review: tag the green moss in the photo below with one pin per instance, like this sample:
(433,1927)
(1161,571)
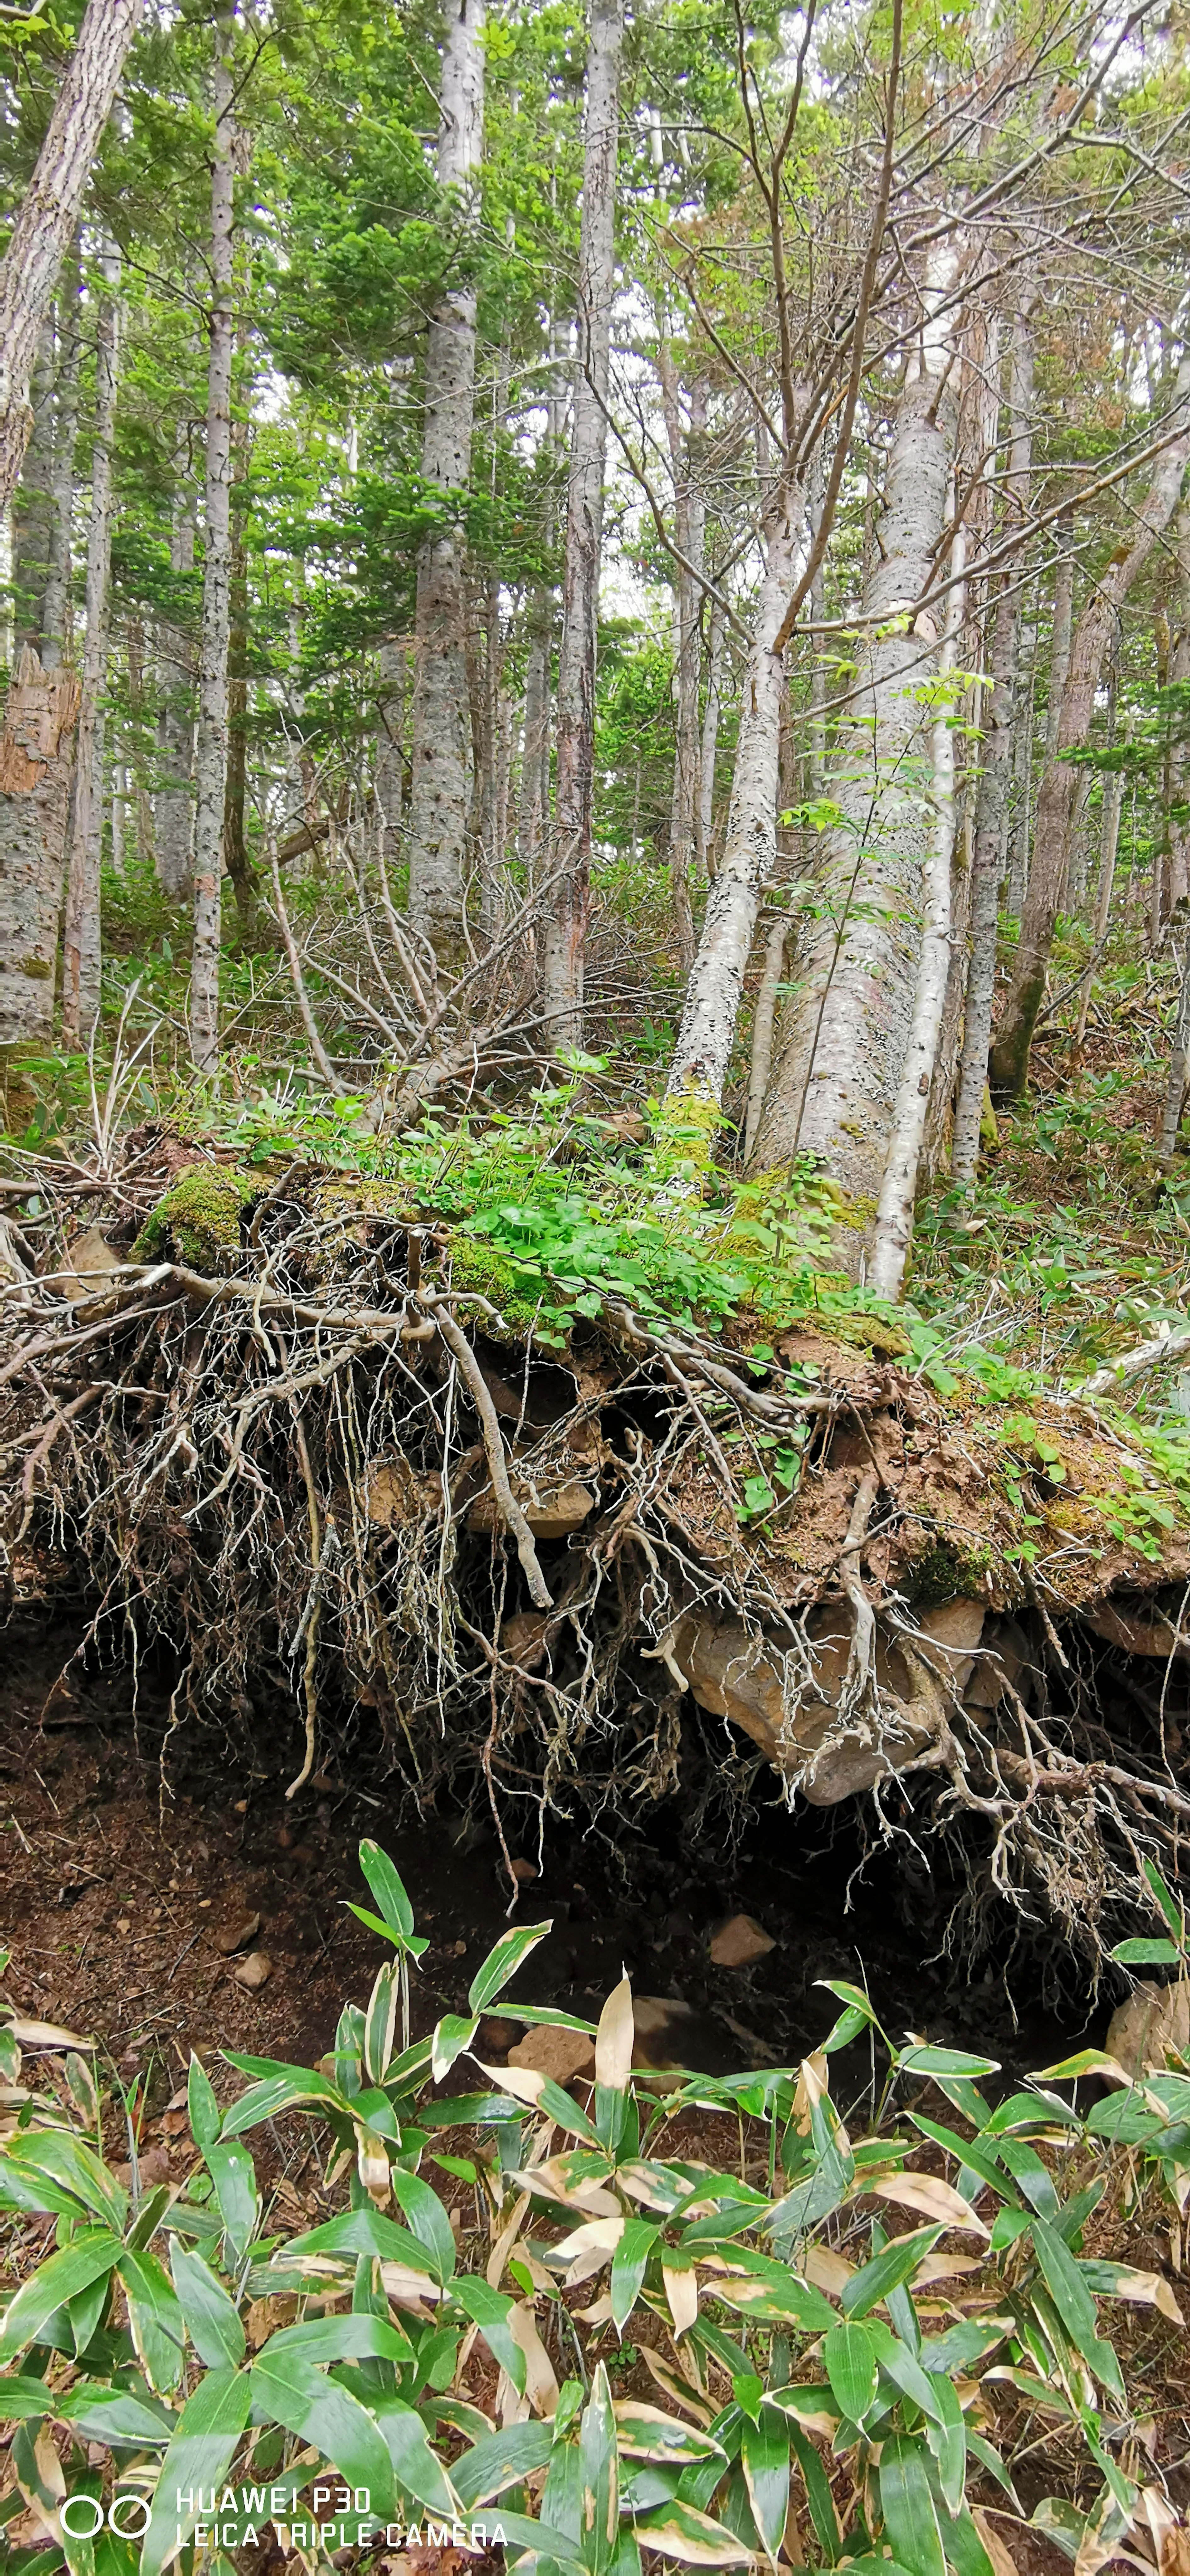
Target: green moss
(950,1570)
(474,1267)
(875,1333)
(200,1217)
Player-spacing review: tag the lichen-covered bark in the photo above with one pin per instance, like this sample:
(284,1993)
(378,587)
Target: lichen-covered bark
(81,935)
(707,1033)
(842,1046)
(564,941)
(210,755)
(49,212)
(442,759)
(1056,801)
(36,761)
(56,631)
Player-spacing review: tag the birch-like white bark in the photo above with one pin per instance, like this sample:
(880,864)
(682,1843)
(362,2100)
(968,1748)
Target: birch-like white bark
(763,1024)
(711,1011)
(1109,842)
(210,751)
(1056,803)
(173,805)
(565,933)
(709,745)
(49,212)
(991,826)
(442,750)
(81,946)
(690,531)
(898,1187)
(844,1039)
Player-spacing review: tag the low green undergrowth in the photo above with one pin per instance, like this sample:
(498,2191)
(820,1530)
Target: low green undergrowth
(823,2382)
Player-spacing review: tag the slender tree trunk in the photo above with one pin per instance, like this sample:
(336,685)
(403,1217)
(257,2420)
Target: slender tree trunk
(1061,629)
(235,799)
(532,808)
(36,762)
(174,804)
(392,694)
(33,505)
(81,936)
(210,756)
(846,1035)
(1113,806)
(491,850)
(709,746)
(564,941)
(50,211)
(763,1025)
(1020,832)
(991,826)
(440,795)
(1055,804)
(898,1187)
(690,531)
(1179,763)
(56,621)
(1179,1066)
(707,1033)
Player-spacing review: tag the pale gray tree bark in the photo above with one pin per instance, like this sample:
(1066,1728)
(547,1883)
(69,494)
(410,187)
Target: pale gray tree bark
(210,751)
(50,211)
(564,941)
(442,751)
(81,941)
(173,804)
(392,698)
(844,1039)
(33,503)
(991,822)
(709,743)
(1056,802)
(56,621)
(1061,629)
(702,1055)
(690,532)
(36,762)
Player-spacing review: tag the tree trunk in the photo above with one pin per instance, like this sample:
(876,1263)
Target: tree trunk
(1020,832)
(991,826)
(1179,763)
(440,794)
(707,1033)
(33,506)
(898,1187)
(235,796)
(709,745)
(391,694)
(1061,628)
(1109,842)
(1175,1095)
(210,756)
(50,211)
(533,802)
(690,531)
(846,1035)
(56,621)
(36,761)
(564,942)
(81,936)
(1055,803)
(174,805)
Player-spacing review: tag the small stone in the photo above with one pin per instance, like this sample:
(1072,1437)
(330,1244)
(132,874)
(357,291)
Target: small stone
(236,1936)
(241,1807)
(559,2054)
(254,1971)
(739,1941)
(523,1870)
(459,1950)
(123,1926)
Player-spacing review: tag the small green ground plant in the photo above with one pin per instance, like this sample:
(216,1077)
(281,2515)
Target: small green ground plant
(826,2384)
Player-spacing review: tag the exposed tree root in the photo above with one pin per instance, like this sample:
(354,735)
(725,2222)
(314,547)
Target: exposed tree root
(306,1458)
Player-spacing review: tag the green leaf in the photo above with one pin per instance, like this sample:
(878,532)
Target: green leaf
(100,2414)
(364,2231)
(490,2310)
(200,2454)
(500,2460)
(428,2220)
(1146,1954)
(888,2269)
(907,2507)
(600,2477)
(154,2315)
(234,2176)
(212,2321)
(646,2433)
(289,2390)
(387,1888)
(765,2456)
(452,2035)
(203,2108)
(90,2254)
(380,2020)
(289,2088)
(678,2531)
(818,2494)
(1074,2303)
(358,2337)
(75,2167)
(849,2358)
(418,2473)
(629,2264)
(948,2442)
(501,1964)
(944,2061)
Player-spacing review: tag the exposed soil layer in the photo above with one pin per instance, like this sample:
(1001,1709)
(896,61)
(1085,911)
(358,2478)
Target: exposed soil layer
(115,1902)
